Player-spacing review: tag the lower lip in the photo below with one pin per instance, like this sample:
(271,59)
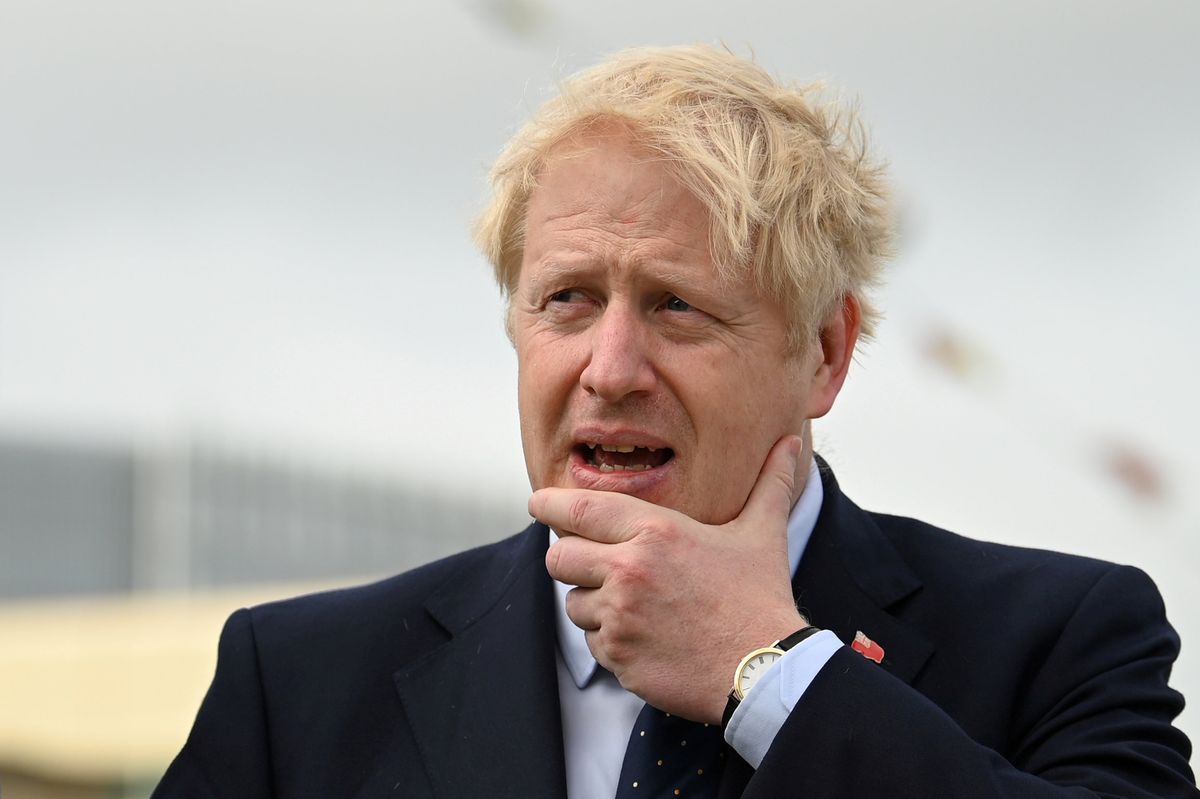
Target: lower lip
(642,483)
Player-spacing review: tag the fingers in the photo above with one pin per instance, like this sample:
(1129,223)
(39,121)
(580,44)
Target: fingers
(583,608)
(603,516)
(772,497)
(593,642)
(578,561)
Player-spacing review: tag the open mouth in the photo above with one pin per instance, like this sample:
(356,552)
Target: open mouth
(623,457)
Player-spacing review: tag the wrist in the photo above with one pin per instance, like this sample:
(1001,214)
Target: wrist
(761,630)
(757,662)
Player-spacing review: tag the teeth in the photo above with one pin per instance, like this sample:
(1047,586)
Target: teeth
(617,447)
(616,467)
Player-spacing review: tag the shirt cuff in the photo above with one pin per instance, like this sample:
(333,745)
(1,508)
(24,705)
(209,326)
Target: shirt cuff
(761,715)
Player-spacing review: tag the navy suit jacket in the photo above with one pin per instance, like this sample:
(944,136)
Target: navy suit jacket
(1007,672)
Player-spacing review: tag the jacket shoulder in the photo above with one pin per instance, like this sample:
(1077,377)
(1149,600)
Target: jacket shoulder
(389,615)
(961,565)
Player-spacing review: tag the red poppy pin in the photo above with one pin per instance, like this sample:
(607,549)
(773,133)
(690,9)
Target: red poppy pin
(866,647)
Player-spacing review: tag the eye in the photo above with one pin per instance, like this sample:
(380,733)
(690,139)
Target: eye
(566,295)
(673,303)
(567,304)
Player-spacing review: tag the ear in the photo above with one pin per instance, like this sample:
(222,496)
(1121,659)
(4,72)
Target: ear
(838,336)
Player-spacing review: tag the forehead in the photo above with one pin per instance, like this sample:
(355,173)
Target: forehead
(606,197)
(607,176)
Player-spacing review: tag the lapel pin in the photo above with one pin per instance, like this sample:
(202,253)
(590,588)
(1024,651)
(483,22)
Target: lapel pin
(866,647)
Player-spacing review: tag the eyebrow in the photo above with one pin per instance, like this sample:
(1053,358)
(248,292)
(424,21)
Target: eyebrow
(553,271)
(670,279)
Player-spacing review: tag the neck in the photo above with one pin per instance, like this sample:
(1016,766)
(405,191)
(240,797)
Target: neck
(803,461)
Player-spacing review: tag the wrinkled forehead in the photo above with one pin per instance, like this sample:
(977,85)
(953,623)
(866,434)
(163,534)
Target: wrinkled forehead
(612,179)
(609,176)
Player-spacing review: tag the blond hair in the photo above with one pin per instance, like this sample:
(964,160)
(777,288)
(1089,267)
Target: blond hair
(793,194)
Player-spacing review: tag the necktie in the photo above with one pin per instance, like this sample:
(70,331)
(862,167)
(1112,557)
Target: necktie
(670,757)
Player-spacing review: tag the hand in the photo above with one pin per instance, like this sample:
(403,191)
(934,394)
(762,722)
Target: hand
(670,605)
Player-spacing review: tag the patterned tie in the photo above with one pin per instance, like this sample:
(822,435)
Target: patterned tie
(668,757)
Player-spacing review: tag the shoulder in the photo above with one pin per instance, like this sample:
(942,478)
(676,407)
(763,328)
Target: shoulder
(388,618)
(930,564)
(311,680)
(407,587)
(1035,610)
(953,563)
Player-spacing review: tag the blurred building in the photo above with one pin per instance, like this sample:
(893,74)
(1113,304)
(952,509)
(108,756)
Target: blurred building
(85,519)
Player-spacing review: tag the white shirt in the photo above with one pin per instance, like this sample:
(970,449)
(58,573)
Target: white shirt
(598,714)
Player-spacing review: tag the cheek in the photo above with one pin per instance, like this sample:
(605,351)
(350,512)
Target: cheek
(542,382)
(535,407)
(732,409)
(743,418)
(545,382)
(539,420)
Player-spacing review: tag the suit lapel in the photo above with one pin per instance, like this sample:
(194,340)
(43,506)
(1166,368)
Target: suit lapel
(484,705)
(851,580)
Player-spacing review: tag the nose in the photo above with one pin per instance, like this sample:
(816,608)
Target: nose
(619,364)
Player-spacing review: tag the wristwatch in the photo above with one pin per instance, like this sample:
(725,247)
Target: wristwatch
(755,665)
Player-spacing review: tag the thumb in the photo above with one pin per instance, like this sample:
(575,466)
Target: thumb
(771,499)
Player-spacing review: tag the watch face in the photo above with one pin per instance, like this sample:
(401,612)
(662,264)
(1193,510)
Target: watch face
(754,667)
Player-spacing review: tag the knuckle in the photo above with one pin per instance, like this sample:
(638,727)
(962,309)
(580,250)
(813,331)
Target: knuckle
(578,511)
(598,644)
(629,569)
(620,607)
(597,641)
(615,648)
(657,530)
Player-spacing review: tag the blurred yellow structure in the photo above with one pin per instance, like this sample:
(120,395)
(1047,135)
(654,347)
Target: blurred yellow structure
(97,694)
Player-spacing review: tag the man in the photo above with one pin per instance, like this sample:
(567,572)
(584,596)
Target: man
(687,248)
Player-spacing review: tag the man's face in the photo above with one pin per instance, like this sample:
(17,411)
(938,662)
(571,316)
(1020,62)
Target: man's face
(639,370)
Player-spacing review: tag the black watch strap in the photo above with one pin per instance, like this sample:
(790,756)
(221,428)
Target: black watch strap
(785,644)
(730,707)
(806,632)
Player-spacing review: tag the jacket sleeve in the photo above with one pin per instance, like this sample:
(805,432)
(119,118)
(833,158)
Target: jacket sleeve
(227,753)
(1095,720)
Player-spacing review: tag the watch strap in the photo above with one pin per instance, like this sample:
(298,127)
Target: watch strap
(800,635)
(783,644)
(730,707)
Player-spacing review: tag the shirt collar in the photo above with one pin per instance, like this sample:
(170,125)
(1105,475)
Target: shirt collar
(571,641)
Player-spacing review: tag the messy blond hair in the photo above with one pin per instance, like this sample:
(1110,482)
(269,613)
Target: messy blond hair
(793,194)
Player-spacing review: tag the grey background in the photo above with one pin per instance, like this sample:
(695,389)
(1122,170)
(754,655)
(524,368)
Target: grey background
(247,222)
